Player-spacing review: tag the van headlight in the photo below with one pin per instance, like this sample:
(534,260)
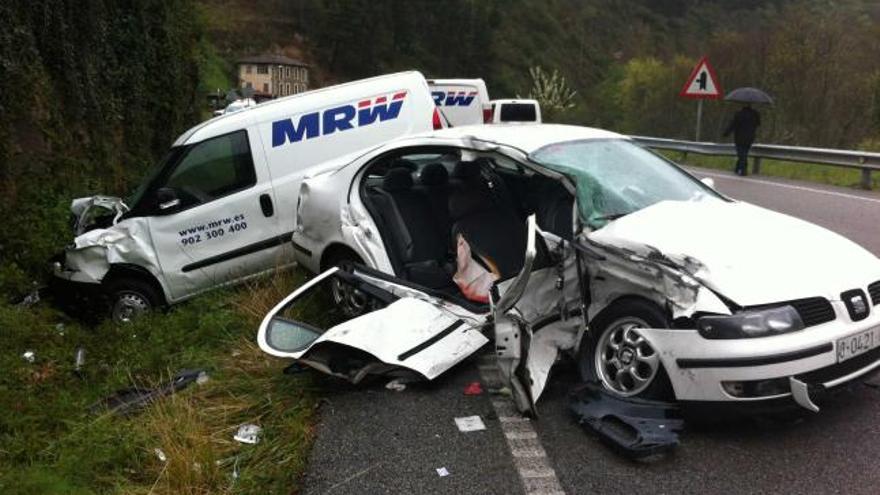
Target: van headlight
(750,324)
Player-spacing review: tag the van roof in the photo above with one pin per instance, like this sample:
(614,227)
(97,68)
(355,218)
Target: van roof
(241,119)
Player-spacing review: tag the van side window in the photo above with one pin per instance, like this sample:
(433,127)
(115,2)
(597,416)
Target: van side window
(214,168)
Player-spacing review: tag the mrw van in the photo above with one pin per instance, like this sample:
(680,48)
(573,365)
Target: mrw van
(218,209)
(462,101)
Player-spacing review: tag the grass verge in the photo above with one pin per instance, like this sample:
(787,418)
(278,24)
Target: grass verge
(50,443)
(811,172)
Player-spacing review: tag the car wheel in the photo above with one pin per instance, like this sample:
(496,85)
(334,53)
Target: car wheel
(617,356)
(130,298)
(352,301)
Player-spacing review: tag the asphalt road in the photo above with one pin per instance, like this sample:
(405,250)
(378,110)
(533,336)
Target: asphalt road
(373,440)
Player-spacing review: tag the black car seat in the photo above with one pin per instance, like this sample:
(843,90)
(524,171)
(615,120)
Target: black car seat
(412,233)
(434,184)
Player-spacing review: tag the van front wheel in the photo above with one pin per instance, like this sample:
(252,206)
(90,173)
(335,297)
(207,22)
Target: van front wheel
(130,298)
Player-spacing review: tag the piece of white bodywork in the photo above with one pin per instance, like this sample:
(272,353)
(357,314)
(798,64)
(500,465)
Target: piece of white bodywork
(415,332)
(470,423)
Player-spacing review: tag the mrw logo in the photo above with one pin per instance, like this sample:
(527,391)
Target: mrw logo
(337,119)
(453,99)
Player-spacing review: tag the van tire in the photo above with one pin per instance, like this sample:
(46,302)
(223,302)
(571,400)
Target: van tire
(616,320)
(129,298)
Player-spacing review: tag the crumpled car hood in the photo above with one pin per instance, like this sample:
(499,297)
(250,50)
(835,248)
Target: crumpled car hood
(748,254)
(81,208)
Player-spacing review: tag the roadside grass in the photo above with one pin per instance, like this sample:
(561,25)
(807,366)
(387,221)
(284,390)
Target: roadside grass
(50,443)
(811,172)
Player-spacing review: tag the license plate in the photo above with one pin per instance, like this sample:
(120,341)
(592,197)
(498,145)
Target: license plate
(860,343)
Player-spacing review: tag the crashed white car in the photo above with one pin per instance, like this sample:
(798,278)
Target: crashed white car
(657,284)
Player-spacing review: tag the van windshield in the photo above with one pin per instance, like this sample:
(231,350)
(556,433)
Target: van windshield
(615,177)
(138,195)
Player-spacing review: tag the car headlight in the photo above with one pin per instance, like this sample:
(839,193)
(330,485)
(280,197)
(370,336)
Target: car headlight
(750,324)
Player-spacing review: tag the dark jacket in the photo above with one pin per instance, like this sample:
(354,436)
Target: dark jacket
(743,126)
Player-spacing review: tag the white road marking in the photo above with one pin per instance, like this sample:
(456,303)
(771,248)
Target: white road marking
(529,457)
(700,171)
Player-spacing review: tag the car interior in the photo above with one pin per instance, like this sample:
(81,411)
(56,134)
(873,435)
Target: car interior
(423,200)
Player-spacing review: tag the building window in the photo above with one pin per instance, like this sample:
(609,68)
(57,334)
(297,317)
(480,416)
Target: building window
(262,69)
(288,87)
(248,69)
(249,85)
(265,87)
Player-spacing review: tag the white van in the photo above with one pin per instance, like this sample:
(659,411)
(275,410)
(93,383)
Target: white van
(515,111)
(462,101)
(219,208)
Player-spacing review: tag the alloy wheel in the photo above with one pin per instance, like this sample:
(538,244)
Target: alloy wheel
(626,364)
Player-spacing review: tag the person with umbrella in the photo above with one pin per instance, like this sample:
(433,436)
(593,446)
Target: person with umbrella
(745,123)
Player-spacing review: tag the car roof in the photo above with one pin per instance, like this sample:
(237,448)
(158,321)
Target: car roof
(525,137)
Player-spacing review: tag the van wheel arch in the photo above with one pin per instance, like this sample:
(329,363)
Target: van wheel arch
(338,253)
(130,290)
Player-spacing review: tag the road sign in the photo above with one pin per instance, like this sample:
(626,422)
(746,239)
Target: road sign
(702,83)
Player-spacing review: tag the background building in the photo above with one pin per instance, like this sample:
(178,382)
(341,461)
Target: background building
(271,76)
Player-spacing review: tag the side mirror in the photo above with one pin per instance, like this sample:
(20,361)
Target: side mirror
(708,181)
(167,199)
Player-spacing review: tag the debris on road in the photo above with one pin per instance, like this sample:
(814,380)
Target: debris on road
(29,356)
(636,428)
(249,434)
(470,423)
(442,472)
(473,388)
(397,385)
(133,399)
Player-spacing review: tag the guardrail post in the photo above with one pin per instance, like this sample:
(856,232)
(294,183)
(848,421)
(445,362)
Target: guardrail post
(756,165)
(866,178)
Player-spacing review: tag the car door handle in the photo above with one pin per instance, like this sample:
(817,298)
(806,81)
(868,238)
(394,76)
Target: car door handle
(266,205)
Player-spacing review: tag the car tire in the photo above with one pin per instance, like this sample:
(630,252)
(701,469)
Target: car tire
(352,302)
(613,344)
(129,298)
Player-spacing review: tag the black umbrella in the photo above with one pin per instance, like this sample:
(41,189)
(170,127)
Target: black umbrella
(749,95)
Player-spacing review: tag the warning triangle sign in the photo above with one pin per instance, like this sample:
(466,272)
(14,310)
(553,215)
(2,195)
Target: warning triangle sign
(702,83)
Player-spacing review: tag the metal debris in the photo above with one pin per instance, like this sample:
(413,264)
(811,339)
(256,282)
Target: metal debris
(249,434)
(442,472)
(79,359)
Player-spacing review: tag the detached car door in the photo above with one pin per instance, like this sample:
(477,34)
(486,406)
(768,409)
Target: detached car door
(352,323)
(215,219)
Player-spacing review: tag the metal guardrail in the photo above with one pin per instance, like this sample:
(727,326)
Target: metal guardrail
(865,161)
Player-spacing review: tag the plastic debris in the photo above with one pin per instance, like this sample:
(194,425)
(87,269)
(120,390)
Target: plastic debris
(636,428)
(397,385)
(442,472)
(79,359)
(470,423)
(249,434)
(29,356)
(202,378)
(473,388)
(32,298)
(160,454)
(294,368)
(132,400)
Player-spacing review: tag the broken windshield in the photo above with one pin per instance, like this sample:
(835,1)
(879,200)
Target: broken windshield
(615,177)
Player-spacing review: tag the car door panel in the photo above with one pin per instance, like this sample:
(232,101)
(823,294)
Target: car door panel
(407,330)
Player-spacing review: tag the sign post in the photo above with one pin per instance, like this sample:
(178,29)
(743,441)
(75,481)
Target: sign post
(701,85)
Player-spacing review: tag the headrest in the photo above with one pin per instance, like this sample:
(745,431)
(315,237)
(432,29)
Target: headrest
(466,171)
(403,163)
(397,179)
(434,174)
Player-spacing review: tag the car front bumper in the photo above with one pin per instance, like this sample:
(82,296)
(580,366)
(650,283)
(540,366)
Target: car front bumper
(797,366)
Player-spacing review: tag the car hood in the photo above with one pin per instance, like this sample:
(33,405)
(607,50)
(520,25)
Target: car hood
(746,253)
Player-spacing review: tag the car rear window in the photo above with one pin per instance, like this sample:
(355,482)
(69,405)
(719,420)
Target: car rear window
(518,112)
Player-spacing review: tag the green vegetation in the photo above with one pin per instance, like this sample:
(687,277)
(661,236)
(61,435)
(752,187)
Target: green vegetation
(50,443)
